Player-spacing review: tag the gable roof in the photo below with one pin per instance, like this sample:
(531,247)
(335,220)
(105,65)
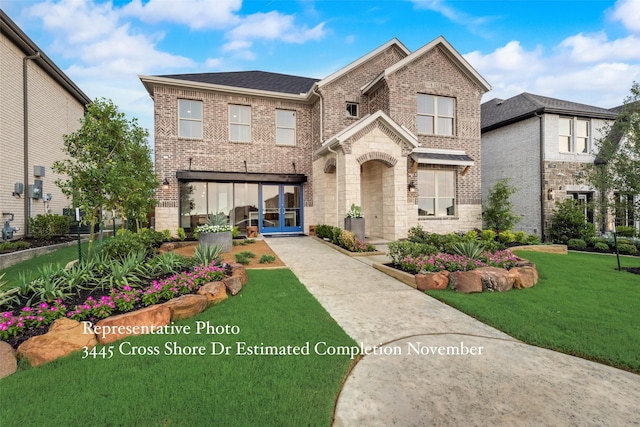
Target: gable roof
(356,127)
(393,42)
(499,112)
(258,80)
(448,50)
(10,29)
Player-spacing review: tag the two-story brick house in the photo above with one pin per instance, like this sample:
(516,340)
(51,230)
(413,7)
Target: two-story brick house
(39,104)
(395,131)
(541,144)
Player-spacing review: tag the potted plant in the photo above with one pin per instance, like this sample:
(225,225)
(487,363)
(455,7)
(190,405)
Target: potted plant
(216,232)
(354,221)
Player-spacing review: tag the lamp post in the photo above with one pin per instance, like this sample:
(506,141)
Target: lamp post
(79,244)
(615,243)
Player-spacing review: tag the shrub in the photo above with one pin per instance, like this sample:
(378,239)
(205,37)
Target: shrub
(506,237)
(348,240)
(244,257)
(267,259)
(624,231)
(166,235)
(235,232)
(6,247)
(324,231)
(520,237)
(601,247)
(152,239)
(49,225)
(181,234)
(498,212)
(335,235)
(417,234)
(487,235)
(532,239)
(403,248)
(627,249)
(576,244)
(569,222)
(122,244)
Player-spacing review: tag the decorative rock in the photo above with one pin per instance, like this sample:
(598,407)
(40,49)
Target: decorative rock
(238,270)
(524,277)
(167,247)
(439,280)
(8,361)
(466,281)
(495,279)
(216,292)
(63,338)
(233,283)
(133,323)
(187,306)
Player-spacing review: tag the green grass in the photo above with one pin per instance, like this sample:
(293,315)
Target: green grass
(61,256)
(581,306)
(274,308)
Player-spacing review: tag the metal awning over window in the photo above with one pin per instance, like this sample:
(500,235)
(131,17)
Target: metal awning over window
(183,175)
(441,157)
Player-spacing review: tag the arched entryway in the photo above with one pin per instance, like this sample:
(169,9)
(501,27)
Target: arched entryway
(376,169)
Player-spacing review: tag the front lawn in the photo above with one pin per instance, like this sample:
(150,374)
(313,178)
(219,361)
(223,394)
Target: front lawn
(581,306)
(273,309)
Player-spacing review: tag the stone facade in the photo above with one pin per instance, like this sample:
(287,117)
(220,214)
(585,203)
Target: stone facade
(55,108)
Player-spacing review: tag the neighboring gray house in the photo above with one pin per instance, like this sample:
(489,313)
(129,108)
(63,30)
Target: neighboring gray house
(541,144)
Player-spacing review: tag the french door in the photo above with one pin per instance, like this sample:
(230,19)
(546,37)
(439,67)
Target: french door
(280,208)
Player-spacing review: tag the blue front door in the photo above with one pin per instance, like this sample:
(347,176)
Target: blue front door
(280,208)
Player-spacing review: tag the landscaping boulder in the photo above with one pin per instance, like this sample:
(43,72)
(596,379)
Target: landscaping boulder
(127,324)
(238,270)
(63,338)
(234,284)
(8,361)
(430,281)
(187,306)
(524,277)
(466,281)
(216,292)
(495,279)
(167,247)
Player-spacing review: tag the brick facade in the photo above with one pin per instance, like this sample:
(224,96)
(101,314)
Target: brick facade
(53,112)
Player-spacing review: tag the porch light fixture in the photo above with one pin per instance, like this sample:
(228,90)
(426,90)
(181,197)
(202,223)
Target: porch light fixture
(550,194)
(412,187)
(165,184)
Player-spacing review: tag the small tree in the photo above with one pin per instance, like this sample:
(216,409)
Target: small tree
(108,165)
(498,211)
(569,222)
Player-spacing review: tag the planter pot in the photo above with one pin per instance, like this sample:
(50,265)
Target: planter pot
(356,226)
(223,239)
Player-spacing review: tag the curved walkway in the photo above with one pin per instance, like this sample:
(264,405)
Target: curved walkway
(429,364)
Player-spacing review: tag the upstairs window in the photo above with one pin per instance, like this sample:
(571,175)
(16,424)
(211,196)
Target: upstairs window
(573,135)
(285,127)
(352,110)
(190,118)
(435,115)
(239,123)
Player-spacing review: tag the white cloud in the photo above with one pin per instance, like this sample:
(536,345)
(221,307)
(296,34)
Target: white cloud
(213,63)
(196,14)
(596,47)
(627,12)
(270,26)
(474,23)
(510,58)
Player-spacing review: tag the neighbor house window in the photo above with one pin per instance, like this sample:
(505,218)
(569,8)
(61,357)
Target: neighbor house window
(573,135)
(436,115)
(625,209)
(190,121)
(436,193)
(352,109)
(285,127)
(239,123)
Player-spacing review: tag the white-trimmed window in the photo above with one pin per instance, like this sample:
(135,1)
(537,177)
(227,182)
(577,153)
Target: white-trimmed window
(435,115)
(239,123)
(352,110)
(573,135)
(190,118)
(285,127)
(436,193)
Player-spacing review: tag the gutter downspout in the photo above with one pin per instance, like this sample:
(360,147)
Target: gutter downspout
(542,192)
(330,150)
(25,119)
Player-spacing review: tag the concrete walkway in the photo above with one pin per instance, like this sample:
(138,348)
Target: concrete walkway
(412,375)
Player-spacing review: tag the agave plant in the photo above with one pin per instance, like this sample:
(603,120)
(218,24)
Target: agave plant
(470,249)
(8,296)
(205,254)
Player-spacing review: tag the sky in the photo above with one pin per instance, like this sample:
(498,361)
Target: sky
(585,51)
